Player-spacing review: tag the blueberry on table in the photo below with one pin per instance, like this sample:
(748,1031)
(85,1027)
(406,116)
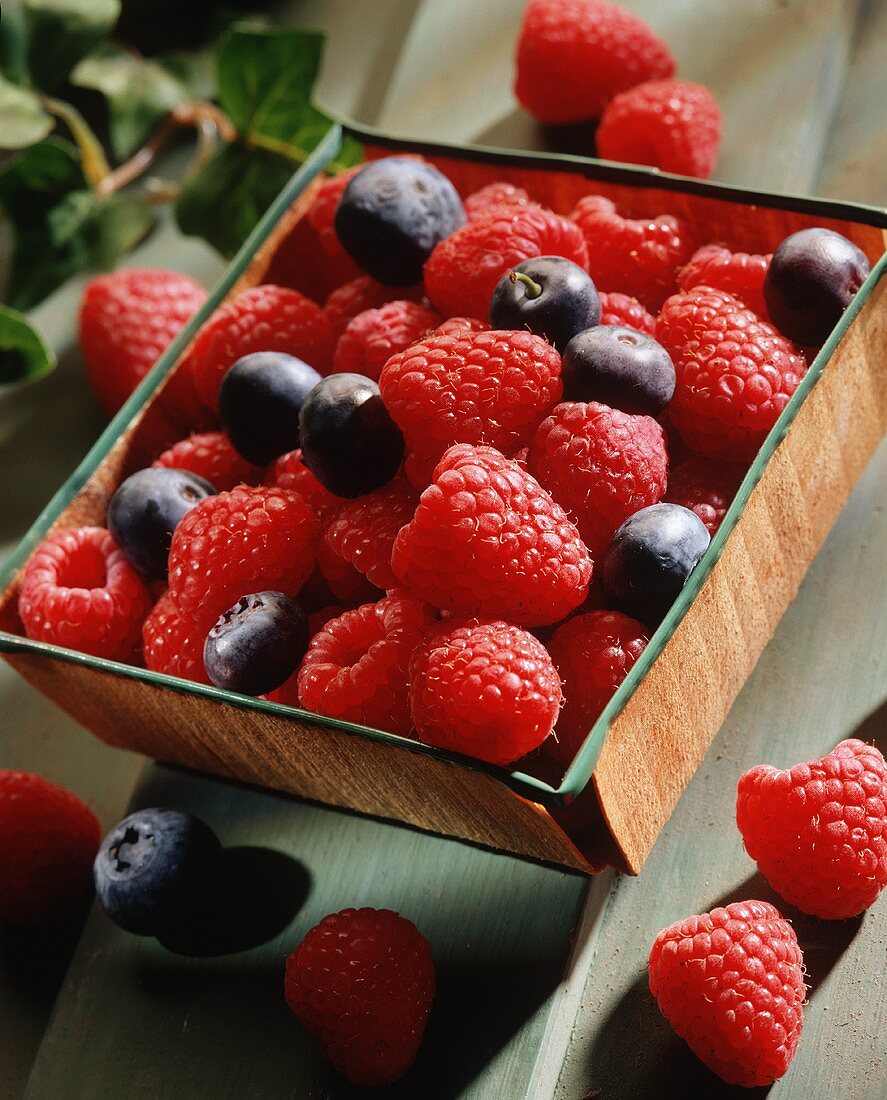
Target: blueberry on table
(349,441)
(649,558)
(153,867)
(392,214)
(259,403)
(620,367)
(549,295)
(145,511)
(812,278)
(257,644)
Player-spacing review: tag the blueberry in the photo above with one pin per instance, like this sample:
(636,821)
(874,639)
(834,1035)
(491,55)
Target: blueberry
(811,280)
(392,214)
(259,403)
(620,367)
(648,560)
(257,644)
(147,508)
(153,868)
(548,295)
(349,442)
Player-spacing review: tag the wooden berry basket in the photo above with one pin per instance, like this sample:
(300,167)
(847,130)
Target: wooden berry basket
(616,796)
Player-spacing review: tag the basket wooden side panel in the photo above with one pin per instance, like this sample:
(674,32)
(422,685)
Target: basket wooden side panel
(656,744)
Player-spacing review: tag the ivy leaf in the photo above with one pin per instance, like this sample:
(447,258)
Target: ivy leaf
(61,32)
(24,355)
(23,121)
(196,72)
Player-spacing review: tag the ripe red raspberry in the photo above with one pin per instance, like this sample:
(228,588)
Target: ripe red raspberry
(48,840)
(362,982)
(173,642)
(573,58)
(487,540)
(373,336)
(486,689)
(493,198)
(601,465)
(245,540)
(127,320)
(464,268)
(317,620)
(301,263)
(289,472)
(263,318)
(739,273)
(363,531)
(361,294)
(705,486)
(593,653)
(735,373)
(671,124)
(460,326)
(357,667)
(731,984)
(633,256)
(344,582)
(79,591)
(211,455)
(486,387)
(322,211)
(818,832)
(622,309)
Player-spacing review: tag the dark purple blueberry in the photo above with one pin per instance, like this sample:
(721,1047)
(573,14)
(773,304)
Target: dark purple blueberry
(548,295)
(812,278)
(257,644)
(153,867)
(259,402)
(649,558)
(620,367)
(392,214)
(147,508)
(349,442)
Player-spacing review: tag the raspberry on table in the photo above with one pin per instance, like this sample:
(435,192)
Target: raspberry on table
(705,486)
(127,320)
(593,653)
(572,59)
(372,337)
(739,273)
(362,532)
(173,641)
(671,124)
(486,689)
(80,592)
(818,832)
(362,982)
(357,666)
(622,309)
(263,318)
(487,540)
(600,464)
(210,455)
(735,373)
(290,472)
(48,840)
(635,256)
(463,270)
(361,294)
(493,198)
(245,540)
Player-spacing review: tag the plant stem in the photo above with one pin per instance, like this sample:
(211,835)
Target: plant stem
(533,289)
(93,160)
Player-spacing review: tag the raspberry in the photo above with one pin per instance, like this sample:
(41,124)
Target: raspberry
(245,540)
(362,982)
(356,668)
(494,198)
(735,372)
(322,211)
(79,591)
(48,840)
(463,270)
(361,294)
(344,581)
(301,262)
(211,456)
(622,309)
(488,540)
(818,832)
(632,256)
(460,326)
(372,337)
(173,642)
(263,318)
(738,273)
(486,387)
(363,531)
(487,689)
(600,464)
(317,620)
(706,487)
(670,124)
(593,653)
(289,472)
(573,58)
(127,320)
(731,984)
